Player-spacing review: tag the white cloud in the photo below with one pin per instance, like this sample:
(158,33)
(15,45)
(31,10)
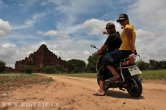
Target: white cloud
(11,53)
(5,27)
(49,33)
(7,54)
(7,45)
(53,33)
(30,22)
(92,26)
(149,16)
(150,12)
(65,49)
(96,26)
(73,10)
(69,48)
(145,36)
(150,45)
(65,46)
(70,43)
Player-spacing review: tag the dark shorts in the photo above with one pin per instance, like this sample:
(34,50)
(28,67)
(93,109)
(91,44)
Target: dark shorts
(125,53)
(111,58)
(104,74)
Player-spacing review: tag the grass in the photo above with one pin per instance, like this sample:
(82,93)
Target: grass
(83,75)
(154,74)
(13,74)
(11,81)
(147,75)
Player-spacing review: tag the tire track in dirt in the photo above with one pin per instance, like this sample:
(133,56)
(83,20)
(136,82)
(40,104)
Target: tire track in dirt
(115,99)
(71,93)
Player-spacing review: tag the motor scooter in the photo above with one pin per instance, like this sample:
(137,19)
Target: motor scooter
(130,76)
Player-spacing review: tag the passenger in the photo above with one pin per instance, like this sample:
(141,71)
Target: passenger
(128,37)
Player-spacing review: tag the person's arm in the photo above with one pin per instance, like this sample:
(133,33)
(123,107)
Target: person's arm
(101,50)
(130,39)
(104,47)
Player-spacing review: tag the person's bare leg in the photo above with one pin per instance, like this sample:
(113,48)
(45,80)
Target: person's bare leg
(114,72)
(101,85)
(101,91)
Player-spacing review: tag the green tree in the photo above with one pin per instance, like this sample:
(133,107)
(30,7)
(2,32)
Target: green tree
(154,64)
(91,66)
(2,66)
(59,68)
(50,69)
(163,64)
(143,65)
(27,69)
(75,65)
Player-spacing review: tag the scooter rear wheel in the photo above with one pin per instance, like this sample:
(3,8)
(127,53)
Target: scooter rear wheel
(134,87)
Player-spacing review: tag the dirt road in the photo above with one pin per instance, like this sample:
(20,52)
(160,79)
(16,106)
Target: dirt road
(70,93)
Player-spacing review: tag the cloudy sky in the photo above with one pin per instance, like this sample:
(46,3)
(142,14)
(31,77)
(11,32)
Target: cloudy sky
(68,27)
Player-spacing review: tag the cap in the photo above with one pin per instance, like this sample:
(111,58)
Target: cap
(122,17)
(110,25)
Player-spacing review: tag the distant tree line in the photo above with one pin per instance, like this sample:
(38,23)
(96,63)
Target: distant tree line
(91,66)
(2,66)
(152,65)
(79,66)
(71,66)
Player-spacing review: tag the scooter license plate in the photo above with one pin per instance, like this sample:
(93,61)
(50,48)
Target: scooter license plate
(134,70)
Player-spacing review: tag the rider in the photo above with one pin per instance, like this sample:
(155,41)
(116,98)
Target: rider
(128,36)
(111,45)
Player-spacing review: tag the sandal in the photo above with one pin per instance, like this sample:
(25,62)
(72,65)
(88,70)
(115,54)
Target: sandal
(99,94)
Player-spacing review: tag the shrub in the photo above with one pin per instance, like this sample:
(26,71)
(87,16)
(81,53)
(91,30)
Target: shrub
(2,66)
(28,69)
(59,68)
(50,69)
(75,65)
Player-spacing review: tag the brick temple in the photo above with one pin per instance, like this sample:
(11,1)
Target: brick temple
(38,60)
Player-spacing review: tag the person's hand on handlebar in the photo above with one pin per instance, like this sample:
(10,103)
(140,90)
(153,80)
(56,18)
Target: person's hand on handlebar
(132,55)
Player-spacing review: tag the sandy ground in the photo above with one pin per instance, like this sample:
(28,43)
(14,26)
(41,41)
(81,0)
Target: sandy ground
(70,93)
